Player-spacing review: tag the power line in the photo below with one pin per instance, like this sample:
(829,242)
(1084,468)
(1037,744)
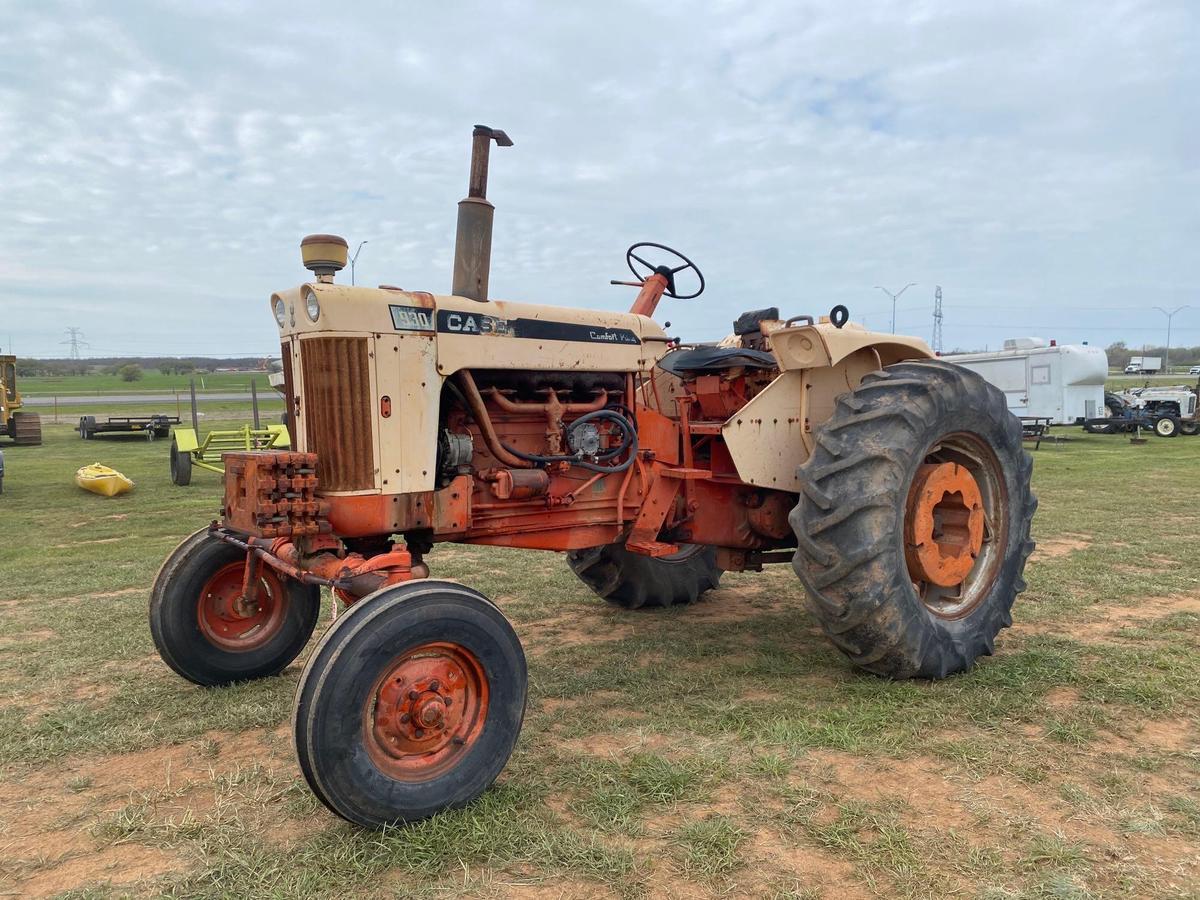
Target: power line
(895,297)
(75,339)
(937,319)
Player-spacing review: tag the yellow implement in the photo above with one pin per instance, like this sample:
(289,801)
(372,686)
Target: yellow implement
(102,480)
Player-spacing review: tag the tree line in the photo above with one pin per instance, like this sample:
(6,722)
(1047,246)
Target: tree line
(1119,354)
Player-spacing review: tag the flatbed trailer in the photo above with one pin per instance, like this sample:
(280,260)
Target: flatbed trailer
(150,427)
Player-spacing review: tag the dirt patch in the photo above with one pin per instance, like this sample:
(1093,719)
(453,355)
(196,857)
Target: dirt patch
(116,865)
(920,789)
(558,889)
(545,635)
(43,810)
(809,867)
(1154,736)
(617,746)
(1110,621)
(1062,698)
(1056,548)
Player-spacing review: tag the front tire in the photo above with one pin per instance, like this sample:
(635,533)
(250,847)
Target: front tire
(913,524)
(202,636)
(181,465)
(1167,426)
(634,580)
(411,704)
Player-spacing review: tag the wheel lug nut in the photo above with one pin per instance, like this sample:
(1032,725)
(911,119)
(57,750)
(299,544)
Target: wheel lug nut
(433,685)
(404,718)
(448,701)
(413,695)
(420,733)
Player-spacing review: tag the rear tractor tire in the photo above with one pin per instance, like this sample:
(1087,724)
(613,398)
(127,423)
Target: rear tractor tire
(913,524)
(181,466)
(25,428)
(411,704)
(199,630)
(633,580)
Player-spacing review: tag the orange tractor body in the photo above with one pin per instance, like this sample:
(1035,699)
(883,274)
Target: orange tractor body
(895,484)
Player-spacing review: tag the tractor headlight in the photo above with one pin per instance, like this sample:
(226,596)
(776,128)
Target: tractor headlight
(312,305)
(280,311)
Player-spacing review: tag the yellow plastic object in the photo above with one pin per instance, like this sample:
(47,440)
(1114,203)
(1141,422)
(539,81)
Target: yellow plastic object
(100,479)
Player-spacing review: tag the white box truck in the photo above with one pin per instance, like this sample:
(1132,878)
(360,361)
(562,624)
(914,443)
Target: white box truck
(1144,365)
(1064,384)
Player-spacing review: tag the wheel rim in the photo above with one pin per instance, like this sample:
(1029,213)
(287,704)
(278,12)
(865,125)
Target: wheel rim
(425,711)
(955,525)
(1164,427)
(240,627)
(685,552)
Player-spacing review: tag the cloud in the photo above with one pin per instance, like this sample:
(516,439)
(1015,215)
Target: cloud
(1039,162)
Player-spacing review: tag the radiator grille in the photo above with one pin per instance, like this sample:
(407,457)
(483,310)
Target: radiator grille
(337,411)
(289,391)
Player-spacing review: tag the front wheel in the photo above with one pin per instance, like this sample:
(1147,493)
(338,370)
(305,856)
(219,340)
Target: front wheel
(1189,427)
(207,634)
(913,525)
(1167,426)
(181,465)
(411,704)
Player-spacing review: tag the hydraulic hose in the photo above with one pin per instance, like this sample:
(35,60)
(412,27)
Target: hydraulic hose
(628,442)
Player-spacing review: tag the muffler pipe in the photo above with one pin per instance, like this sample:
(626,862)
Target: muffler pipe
(473,240)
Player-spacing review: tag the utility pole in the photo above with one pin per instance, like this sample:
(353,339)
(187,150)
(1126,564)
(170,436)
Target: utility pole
(937,320)
(75,339)
(1170,315)
(354,259)
(895,297)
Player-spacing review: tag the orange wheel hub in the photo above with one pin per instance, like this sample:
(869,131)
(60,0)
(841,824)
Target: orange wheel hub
(943,524)
(238,625)
(425,711)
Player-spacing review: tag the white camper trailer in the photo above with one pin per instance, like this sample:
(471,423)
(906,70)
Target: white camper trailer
(1063,384)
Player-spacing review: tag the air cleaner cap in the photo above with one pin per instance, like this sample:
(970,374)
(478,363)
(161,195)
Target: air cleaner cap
(324,254)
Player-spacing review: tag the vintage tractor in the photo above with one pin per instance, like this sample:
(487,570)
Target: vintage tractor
(22,427)
(895,484)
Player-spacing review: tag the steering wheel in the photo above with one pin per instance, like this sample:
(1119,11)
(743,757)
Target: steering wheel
(666,271)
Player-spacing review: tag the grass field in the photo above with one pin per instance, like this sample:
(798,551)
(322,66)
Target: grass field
(151,380)
(718,750)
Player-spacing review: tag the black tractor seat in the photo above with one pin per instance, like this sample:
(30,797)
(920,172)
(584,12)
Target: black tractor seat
(716,359)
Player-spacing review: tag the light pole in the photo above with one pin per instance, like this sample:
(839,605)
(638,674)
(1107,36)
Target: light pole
(354,259)
(1170,315)
(895,297)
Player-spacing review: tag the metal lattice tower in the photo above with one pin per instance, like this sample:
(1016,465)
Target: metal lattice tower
(75,339)
(937,320)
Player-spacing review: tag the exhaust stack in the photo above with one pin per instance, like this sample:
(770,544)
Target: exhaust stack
(473,241)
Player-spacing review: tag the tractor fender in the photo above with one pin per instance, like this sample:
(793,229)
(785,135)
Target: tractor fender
(773,434)
(185,440)
(824,344)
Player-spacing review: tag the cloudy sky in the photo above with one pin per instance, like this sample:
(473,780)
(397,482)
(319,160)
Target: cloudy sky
(1037,160)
